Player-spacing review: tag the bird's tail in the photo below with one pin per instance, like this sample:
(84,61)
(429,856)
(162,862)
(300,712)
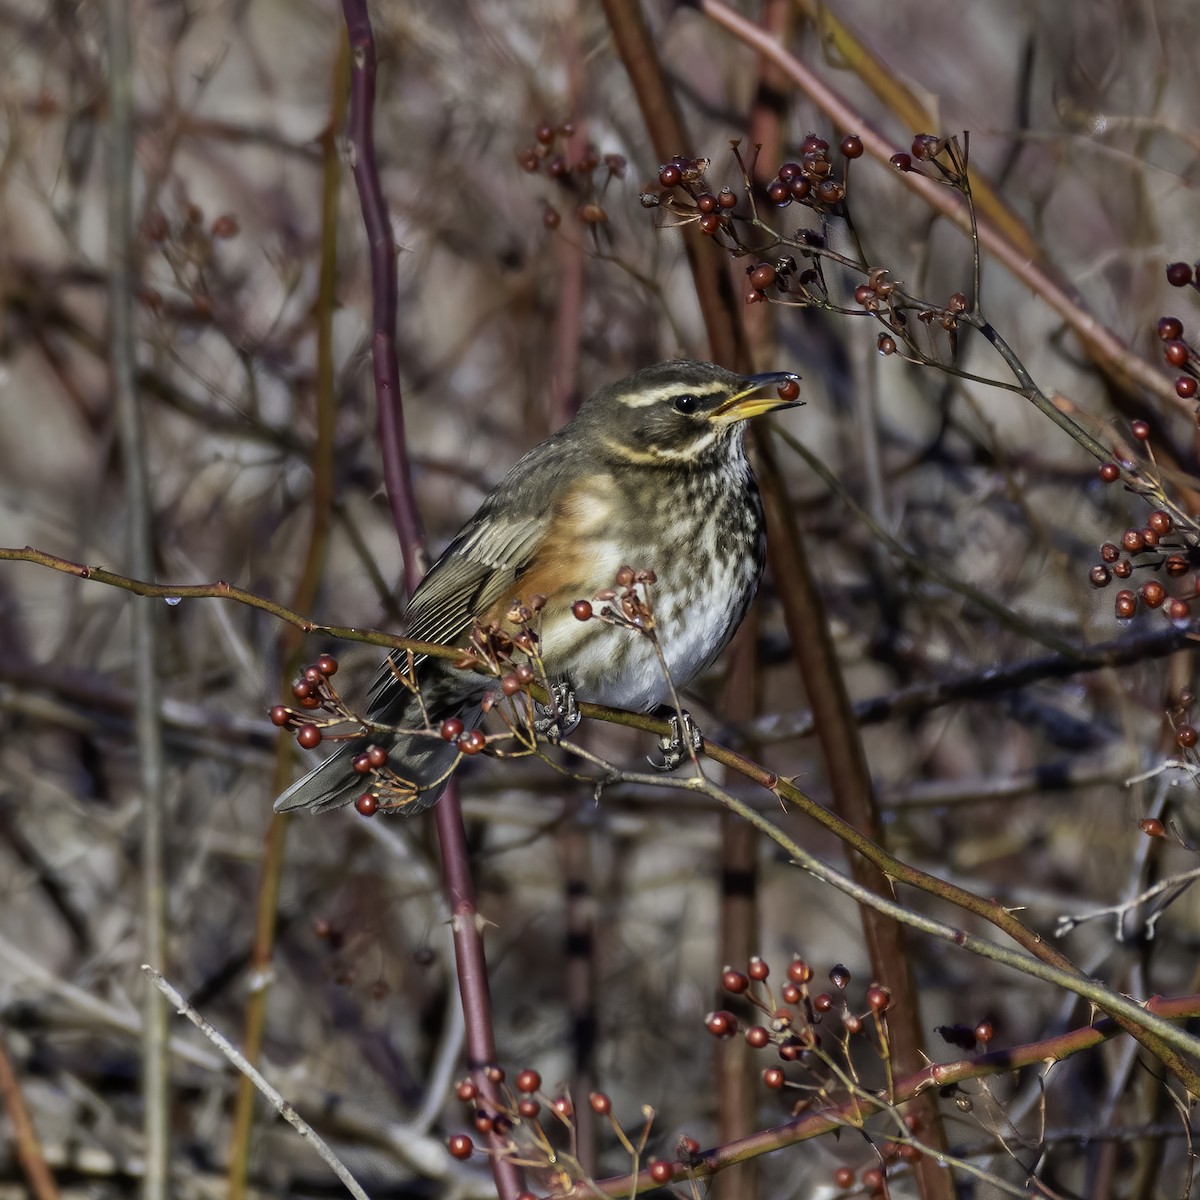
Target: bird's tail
(423,762)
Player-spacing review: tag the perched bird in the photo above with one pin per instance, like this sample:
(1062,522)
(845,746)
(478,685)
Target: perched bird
(652,472)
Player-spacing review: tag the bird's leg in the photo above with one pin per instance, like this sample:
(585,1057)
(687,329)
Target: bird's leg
(675,744)
(560,718)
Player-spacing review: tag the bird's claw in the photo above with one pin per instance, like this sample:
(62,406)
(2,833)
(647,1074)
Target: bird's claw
(560,718)
(677,745)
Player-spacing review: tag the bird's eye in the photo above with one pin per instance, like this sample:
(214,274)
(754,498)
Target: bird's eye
(686,404)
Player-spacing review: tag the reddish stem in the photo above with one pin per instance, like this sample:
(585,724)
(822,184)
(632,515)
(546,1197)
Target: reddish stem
(470,959)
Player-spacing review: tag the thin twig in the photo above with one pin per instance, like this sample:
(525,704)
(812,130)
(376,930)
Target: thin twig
(24,1136)
(151,758)
(281,1106)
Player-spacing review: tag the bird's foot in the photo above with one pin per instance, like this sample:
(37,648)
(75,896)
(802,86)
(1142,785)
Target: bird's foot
(677,745)
(560,718)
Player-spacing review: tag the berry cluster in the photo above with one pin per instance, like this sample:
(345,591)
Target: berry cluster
(189,246)
(811,181)
(791,1022)
(1145,548)
(944,154)
(314,692)
(1180,354)
(791,283)
(623,604)
(550,155)
(516,1114)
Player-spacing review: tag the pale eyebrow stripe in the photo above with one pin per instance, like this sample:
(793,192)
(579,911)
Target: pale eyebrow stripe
(667,390)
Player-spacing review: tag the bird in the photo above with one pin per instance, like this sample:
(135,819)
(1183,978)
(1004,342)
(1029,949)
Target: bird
(651,472)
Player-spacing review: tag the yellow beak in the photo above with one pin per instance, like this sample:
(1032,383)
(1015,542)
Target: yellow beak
(743,405)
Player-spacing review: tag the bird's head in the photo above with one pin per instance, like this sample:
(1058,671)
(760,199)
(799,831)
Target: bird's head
(680,412)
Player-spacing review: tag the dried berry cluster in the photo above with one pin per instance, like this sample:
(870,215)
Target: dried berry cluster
(315,693)
(945,155)
(551,155)
(1145,548)
(791,1021)
(518,1118)
(811,181)
(624,604)
(188,246)
(1179,353)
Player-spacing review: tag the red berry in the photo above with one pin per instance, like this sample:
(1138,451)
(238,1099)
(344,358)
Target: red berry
(791,993)
(528,1108)
(1100,576)
(450,728)
(1179,274)
(1140,430)
(528,1081)
(843,1177)
(1110,472)
(1153,593)
(721,1024)
(460,1146)
(879,998)
(1133,541)
(225,226)
(779,193)
(1176,352)
(1160,522)
(726,199)
(1125,603)
(661,1171)
(734,981)
(1109,553)
(581,610)
(377,756)
(670,176)
(902,162)
(788,390)
(1169,328)
(710,223)
(1176,565)
(309,736)
(706,202)
(799,971)
(1152,826)
(799,188)
(367,805)
(361,764)
(1178,610)
(1185,387)
(851,146)
(280,715)
(762,276)
(984,1032)
(823,1003)
(563,1106)
(544,133)
(773,1077)
(758,1037)
(327,664)
(472,741)
(600,1103)
(758,969)
(465,1090)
